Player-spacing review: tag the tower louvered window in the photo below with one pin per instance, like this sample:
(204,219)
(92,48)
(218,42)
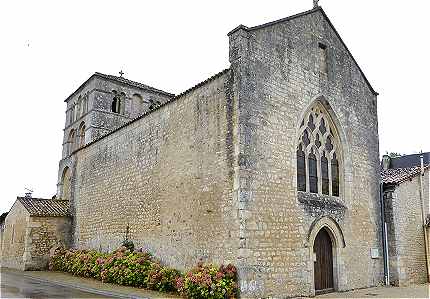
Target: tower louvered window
(318,154)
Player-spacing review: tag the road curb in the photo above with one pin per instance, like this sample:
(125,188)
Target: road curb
(84,288)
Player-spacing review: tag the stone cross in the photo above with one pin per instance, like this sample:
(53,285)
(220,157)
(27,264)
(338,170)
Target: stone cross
(121,73)
(316,3)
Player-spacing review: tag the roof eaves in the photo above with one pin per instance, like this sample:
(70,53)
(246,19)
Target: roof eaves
(125,81)
(157,108)
(414,171)
(79,88)
(133,84)
(30,207)
(414,174)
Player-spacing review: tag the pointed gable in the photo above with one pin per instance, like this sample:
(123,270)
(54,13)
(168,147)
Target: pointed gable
(313,23)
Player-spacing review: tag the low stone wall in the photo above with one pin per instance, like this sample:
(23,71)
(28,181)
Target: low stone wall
(43,233)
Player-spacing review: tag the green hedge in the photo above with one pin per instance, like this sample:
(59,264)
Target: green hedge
(141,269)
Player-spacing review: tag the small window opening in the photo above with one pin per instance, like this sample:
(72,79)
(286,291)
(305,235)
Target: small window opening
(116,105)
(322,58)
(322,46)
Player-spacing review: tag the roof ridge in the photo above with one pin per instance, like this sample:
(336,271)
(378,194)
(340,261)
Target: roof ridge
(400,175)
(120,80)
(132,82)
(45,207)
(157,108)
(33,198)
(289,18)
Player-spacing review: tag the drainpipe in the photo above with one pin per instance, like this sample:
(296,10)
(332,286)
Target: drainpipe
(384,236)
(424,216)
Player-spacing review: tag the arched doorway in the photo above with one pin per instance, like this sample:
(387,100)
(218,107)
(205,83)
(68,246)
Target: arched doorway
(66,184)
(323,263)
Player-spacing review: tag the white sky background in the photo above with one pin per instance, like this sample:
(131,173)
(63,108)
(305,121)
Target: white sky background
(48,48)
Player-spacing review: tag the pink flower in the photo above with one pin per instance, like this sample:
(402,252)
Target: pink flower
(219,275)
(179,283)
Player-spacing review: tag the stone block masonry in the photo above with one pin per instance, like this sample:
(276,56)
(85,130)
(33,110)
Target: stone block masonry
(280,76)
(168,177)
(212,174)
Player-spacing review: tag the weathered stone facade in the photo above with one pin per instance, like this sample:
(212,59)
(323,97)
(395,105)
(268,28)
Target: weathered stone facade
(279,77)
(168,176)
(212,173)
(43,233)
(29,234)
(13,243)
(404,217)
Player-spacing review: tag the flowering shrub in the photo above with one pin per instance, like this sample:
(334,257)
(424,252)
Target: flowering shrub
(124,267)
(208,281)
(141,269)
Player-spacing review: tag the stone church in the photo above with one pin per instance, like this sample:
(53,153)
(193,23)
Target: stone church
(271,164)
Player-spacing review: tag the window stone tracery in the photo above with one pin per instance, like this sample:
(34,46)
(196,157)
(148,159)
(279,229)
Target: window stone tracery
(318,154)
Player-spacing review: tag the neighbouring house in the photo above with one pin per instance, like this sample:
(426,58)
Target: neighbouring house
(406,196)
(272,165)
(31,228)
(2,219)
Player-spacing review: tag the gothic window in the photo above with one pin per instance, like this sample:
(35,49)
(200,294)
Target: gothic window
(313,173)
(324,176)
(318,154)
(301,169)
(335,175)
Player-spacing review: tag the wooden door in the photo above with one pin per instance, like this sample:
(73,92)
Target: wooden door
(323,263)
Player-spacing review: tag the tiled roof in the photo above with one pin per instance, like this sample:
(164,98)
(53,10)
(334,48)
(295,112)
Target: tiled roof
(133,83)
(45,207)
(120,80)
(399,175)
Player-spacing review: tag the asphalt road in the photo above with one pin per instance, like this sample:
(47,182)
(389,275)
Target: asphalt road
(17,286)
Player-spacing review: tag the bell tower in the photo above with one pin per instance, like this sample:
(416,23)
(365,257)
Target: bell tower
(99,106)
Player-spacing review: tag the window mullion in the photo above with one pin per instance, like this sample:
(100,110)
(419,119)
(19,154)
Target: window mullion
(330,179)
(319,174)
(307,171)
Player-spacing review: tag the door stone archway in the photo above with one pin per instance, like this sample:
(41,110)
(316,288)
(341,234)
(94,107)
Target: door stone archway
(326,234)
(323,263)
